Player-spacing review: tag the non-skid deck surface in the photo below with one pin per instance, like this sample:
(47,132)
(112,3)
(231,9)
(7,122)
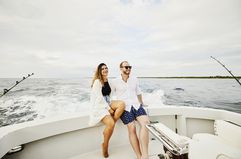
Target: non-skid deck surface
(123,151)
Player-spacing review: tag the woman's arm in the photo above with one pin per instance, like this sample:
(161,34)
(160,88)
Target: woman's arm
(97,100)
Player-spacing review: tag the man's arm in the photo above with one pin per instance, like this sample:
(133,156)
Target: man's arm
(140,99)
(138,92)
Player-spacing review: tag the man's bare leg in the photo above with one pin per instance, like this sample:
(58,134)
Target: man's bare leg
(133,139)
(144,135)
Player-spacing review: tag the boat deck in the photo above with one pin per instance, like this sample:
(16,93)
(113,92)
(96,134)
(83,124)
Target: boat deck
(123,151)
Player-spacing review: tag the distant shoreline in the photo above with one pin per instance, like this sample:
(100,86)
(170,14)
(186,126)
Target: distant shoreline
(170,77)
(200,77)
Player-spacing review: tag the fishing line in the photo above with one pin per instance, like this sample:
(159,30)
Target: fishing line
(226,69)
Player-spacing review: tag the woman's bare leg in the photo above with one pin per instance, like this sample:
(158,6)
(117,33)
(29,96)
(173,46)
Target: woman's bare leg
(119,107)
(109,128)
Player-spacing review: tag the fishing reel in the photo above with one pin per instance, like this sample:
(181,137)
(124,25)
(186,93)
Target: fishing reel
(166,155)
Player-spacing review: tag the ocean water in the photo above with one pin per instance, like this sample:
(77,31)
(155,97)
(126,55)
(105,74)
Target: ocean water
(43,98)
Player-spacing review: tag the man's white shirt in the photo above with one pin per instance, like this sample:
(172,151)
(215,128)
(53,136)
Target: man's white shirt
(126,91)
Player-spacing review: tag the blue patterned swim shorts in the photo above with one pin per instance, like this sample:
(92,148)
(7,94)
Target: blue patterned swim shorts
(128,117)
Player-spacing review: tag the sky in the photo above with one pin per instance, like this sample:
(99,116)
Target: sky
(69,38)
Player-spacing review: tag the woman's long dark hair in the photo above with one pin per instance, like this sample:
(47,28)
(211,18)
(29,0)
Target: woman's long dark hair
(98,75)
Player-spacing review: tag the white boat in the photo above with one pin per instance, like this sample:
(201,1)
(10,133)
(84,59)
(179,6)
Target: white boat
(209,134)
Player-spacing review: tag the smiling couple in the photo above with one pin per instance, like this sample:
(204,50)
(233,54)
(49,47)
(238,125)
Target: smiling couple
(128,106)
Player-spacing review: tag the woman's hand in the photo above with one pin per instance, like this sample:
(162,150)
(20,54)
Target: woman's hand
(111,111)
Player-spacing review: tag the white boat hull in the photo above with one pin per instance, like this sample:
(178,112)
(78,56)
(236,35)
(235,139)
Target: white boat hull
(72,138)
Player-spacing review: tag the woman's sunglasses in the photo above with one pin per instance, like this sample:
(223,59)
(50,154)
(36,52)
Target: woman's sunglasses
(127,67)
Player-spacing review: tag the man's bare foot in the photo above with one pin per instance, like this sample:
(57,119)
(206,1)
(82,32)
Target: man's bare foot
(105,150)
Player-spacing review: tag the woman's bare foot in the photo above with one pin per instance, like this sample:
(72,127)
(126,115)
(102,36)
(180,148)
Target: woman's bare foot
(105,150)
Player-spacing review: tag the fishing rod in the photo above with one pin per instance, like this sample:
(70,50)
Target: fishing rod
(17,82)
(226,69)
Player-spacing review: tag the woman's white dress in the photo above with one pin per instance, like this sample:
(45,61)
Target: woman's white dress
(99,107)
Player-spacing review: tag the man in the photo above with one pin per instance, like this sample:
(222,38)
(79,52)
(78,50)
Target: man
(126,88)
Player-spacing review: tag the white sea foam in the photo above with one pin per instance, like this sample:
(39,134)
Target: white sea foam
(154,99)
(58,105)
(55,105)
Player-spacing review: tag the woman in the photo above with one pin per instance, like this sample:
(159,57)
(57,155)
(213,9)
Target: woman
(104,110)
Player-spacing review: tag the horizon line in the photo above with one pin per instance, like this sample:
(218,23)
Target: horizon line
(217,76)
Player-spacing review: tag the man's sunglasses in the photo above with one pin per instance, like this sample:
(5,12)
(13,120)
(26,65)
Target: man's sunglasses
(127,67)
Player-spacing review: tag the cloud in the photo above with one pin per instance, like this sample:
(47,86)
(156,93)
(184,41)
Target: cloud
(158,37)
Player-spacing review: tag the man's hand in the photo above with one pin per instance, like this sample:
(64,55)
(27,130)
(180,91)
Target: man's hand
(144,105)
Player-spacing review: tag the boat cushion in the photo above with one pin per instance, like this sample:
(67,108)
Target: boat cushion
(210,146)
(229,132)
